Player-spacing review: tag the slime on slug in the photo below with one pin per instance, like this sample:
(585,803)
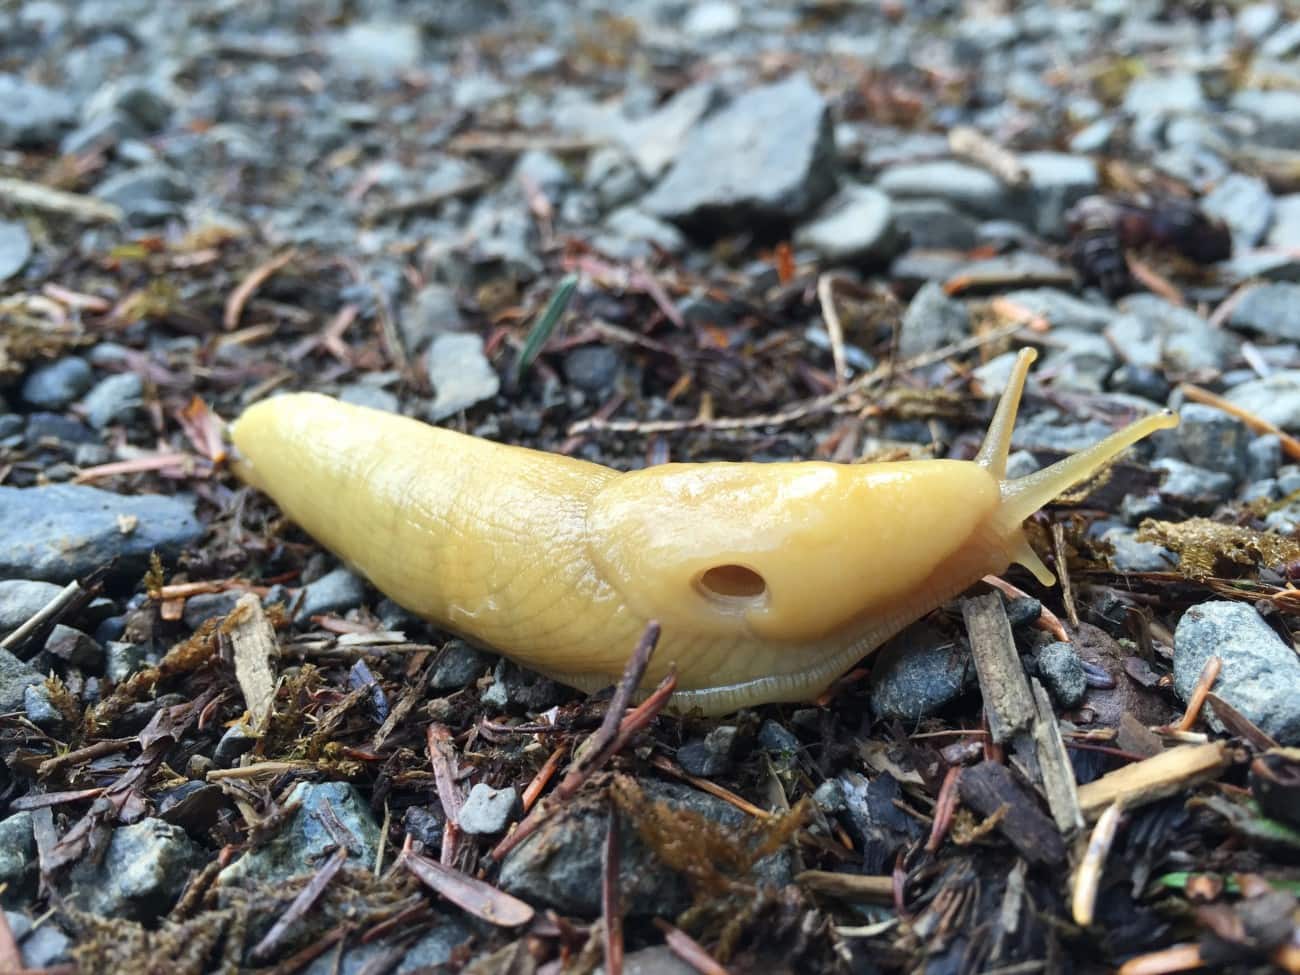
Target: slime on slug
(770,580)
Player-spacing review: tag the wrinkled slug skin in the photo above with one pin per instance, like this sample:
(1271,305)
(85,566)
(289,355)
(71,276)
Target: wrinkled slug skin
(769,580)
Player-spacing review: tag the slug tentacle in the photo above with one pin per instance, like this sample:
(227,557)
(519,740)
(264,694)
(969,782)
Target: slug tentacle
(997,440)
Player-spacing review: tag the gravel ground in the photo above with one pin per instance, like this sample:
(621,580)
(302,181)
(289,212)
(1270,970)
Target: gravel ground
(810,230)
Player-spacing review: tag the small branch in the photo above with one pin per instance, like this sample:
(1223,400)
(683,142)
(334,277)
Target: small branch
(1154,778)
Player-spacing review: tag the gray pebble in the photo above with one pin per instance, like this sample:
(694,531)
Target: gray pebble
(334,592)
(932,320)
(1260,672)
(629,233)
(593,368)
(208,605)
(114,399)
(1061,672)
(1285,232)
(459,665)
(516,689)
(123,659)
(965,186)
(1263,457)
(656,141)
(710,755)
(1271,309)
(1192,487)
(1023,610)
(918,673)
(1160,94)
(855,226)
(75,647)
(59,532)
(433,310)
(613,177)
(1275,398)
(141,874)
(237,741)
(378,49)
(371,397)
(488,811)
(1079,360)
(460,373)
(1143,381)
(17,858)
(1214,440)
(1245,204)
(1130,555)
(775,737)
(1057,181)
(41,711)
(20,600)
(829,797)
(15,248)
(31,115)
(148,195)
(1063,309)
(54,386)
(933,224)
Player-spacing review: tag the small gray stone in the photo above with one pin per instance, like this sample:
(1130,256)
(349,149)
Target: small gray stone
(1264,457)
(334,592)
(20,600)
(776,738)
(458,666)
(15,248)
(43,947)
(656,960)
(593,368)
(1079,360)
(655,141)
(1193,487)
(147,102)
(856,225)
(432,311)
(123,659)
(377,49)
(1285,232)
(629,234)
(40,709)
(933,225)
(965,186)
(1062,674)
(304,838)
(1214,440)
(1275,398)
(61,531)
(541,170)
(517,689)
(487,811)
(142,873)
(1260,672)
(767,158)
(1265,265)
(1163,94)
(54,386)
(1245,204)
(829,797)
(1179,340)
(1276,112)
(115,399)
(710,755)
(369,396)
(918,673)
(1144,381)
(77,648)
(1130,555)
(1023,610)
(1273,309)
(208,606)
(613,177)
(1283,42)
(1094,137)
(1063,309)
(460,373)
(148,195)
(710,19)
(237,741)
(31,115)
(17,857)
(1057,181)
(932,320)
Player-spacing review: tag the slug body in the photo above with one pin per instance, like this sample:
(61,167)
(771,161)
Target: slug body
(769,580)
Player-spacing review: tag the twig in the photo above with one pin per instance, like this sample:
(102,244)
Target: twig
(1209,674)
(664,764)
(308,896)
(69,596)
(139,465)
(610,900)
(834,329)
(689,950)
(1047,620)
(1087,879)
(1063,573)
(97,750)
(1007,699)
(1290,445)
(478,898)
(442,757)
(1147,276)
(248,287)
(944,807)
(856,887)
(75,205)
(1175,958)
(974,146)
(1154,778)
(1054,765)
(543,778)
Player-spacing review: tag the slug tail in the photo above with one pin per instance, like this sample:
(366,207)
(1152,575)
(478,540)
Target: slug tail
(997,441)
(1025,495)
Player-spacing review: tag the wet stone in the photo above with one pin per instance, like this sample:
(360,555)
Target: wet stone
(1245,204)
(766,158)
(458,666)
(15,248)
(113,399)
(593,368)
(142,873)
(931,321)
(917,674)
(1263,457)
(40,709)
(237,741)
(933,224)
(1061,671)
(854,226)
(1214,440)
(31,115)
(432,311)
(710,755)
(1271,309)
(17,858)
(461,374)
(335,592)
(1275,398)
(1260,672)
(1191,486)
(20,600)
(1130,555)
(965,186)
(488,811)
(54,386)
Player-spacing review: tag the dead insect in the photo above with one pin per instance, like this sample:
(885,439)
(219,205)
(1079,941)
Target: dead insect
(1102,229)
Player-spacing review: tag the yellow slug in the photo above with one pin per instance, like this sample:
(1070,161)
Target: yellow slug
(769,580)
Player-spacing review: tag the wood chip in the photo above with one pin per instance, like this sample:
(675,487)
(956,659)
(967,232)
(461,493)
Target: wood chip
(974,146)
(990,789)
(1054,763)
(248,287)
(859,888)
(255,648)
(1008,701)
(87,209)
(1155,778)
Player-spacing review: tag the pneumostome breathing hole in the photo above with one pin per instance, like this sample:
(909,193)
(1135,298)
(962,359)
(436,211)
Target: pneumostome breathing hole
(733,582)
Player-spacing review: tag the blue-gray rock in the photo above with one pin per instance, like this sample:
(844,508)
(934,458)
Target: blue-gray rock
(1057,181)
(1276,113)
(148,195)
(1245,204)
(31,115)
(560,864)
(1288,478)
(1193,487)
(142,873)
(1265,265)
(1255,21)
(710,755)
(17,858)
(1214,440)
(517,689)
(965,186)
(376,49)
(123,659)
(1280,43)
(540,170)
(56,384)
(1094,137)
(1023,610)
(20,600)
(488,811)
(829,797)
(370,396)
(304,838)
(335,592)
(1079,360)
(1157,334)
(1272,309)
(42,947)
(429,953)
(61,531)
(856,225)
(918,673)
(15,248)
(432,311)
(77,648)
(1275,398)
(655,142)
(1061,672)
(1130,555)
(460,373)
(628,234)
(931,321)
(1263,457)
(147,102)
(933,225)
(40,709)
(1144,381)
(1164,94)
(709,19)
(114,399)
(459,665)
(613,176)
(55,429)
(593,368)
(1063,309)
(1285,232)
(767,158)
(236,742)
(206,606)
(1260,672)
(776,738)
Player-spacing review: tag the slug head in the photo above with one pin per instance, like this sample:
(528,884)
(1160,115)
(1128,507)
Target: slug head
(805,553)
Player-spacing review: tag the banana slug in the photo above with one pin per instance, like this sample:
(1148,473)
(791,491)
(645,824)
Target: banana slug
(770,580)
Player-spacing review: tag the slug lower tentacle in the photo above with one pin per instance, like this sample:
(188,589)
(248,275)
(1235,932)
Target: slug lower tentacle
(769,580)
